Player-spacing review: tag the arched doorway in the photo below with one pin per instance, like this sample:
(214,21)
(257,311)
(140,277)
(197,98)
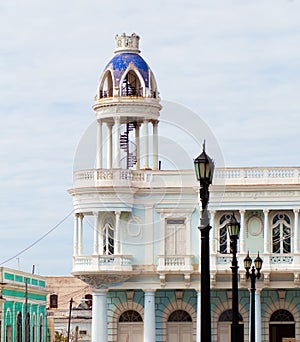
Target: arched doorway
(130,327)
(282,325)
(19,328)
(8,330)
(224,326)
(180,327)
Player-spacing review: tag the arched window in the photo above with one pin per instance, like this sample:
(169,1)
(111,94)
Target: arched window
(282,316)
(131,85)
(106,89)
(154,92)
(281,233)
(226,316)
(130,316)
(53,301)
(108,235)
(180,316)
(224,240)
(19,327)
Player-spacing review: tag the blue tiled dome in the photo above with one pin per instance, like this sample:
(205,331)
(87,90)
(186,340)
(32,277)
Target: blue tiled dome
(121,61)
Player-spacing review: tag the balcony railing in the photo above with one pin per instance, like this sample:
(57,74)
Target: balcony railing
(186,178)
(258,175)
(175,263)
(92,263)
(281,259)
(108,177)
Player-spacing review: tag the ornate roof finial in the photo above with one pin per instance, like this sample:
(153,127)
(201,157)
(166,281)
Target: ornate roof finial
(127,43)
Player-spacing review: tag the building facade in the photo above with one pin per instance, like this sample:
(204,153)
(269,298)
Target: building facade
(23,307)
(142,258)
(69,303)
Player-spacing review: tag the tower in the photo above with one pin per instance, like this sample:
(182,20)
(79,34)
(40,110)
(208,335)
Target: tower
(108,199)
(127,100)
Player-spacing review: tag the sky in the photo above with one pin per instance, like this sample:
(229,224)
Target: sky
(236,64)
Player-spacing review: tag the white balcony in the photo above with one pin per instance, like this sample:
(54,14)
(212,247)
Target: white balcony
(102,263)
(175,263)
(272,262)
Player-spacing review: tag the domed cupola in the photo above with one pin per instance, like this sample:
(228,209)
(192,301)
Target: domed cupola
(127,74)
(127,98)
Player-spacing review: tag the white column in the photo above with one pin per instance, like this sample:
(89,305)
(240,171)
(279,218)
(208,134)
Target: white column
(99,317)
(198,327)
(242,234)
(149,317)
(100,237)
(80,234)
(146,145)
(257,316)
(213,233)
(155,146)
(117,143)
(117,236)
(99,145)
(266,231)
(109,146)
(296,231)
(96,233)
(137,145)
(75,242)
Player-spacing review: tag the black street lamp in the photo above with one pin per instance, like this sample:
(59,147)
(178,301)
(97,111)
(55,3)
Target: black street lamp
(233,227)
(204,167)
(253,275)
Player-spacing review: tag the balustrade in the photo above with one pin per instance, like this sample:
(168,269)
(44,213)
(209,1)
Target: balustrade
(93,263)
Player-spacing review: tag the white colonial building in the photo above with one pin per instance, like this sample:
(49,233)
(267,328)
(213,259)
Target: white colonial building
(142,258)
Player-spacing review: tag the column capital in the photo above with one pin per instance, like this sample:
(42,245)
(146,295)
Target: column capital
(99,121)
(242,211)
(118,212)
(95,213)
(116,119)
(266,211)
(149,291)
(81,215)
(212,212)
(99,292)
(296,210)
(258,290)
(154,122)
(76,215)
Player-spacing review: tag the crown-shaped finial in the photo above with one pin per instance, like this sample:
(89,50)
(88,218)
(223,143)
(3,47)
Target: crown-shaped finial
(127,43)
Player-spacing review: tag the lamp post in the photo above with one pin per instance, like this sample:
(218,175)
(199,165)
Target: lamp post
(204,167)
(233,227)
(253,275)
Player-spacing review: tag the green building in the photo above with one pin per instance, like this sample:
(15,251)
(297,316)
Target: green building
(23,314)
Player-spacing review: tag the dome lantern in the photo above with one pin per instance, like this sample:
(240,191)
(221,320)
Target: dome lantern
(127,43)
